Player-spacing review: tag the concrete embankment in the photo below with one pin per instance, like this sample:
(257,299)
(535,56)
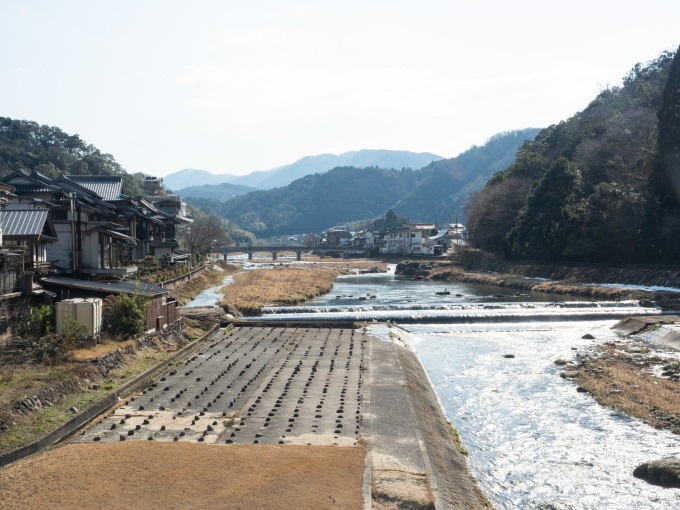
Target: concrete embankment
(413,453)
(661,330)
(306,386)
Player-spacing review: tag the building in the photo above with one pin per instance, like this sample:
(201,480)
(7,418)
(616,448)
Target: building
(413,239)
(338,237)
(161,311)
(153,186)
(28,230)
(99,230)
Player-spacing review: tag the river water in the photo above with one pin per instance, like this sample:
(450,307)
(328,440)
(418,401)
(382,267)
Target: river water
(533,441)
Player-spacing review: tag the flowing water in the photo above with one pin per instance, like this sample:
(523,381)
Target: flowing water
(211,296)
(533,441)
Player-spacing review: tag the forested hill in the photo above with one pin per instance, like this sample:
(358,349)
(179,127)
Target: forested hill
(601,186)
(445,186)
(221,192)
(316,202)
(30,146)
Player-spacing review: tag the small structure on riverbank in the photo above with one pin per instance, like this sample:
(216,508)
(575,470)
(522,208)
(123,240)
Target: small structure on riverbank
(161,311)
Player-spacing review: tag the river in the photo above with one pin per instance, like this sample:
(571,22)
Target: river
(533,441)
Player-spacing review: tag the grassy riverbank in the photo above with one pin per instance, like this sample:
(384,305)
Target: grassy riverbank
(79,386)
(76,382)
(625,378)
(252,290)
(287,285)
(444,271)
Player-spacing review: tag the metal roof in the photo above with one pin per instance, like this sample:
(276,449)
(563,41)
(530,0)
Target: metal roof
(441,234)
(108,187)
(106,287)
(23,222)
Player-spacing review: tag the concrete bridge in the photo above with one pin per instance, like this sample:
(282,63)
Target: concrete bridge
(275,249)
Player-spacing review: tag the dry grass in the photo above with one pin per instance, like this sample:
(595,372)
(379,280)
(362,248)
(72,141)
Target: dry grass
(252,290)
(619,380)
(157,475)
(93,351)
(18,382)
(513,281)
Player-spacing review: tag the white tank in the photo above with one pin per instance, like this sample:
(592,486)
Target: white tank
(87,311)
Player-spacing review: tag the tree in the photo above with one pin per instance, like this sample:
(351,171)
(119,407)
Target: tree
(668,159)
(492,212)
(391,220)
(205,234)
(544,226)
(126,313)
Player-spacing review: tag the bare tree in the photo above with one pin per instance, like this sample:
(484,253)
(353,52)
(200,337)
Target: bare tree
(204,235)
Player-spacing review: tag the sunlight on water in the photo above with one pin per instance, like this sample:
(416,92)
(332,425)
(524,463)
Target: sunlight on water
(211,296)
(533,440)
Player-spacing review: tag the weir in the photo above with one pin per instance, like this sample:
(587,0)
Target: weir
(473,313)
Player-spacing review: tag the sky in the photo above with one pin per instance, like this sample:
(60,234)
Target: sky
(233,86)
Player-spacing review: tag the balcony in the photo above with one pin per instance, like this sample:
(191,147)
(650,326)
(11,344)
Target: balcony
(42,268)
(109,272)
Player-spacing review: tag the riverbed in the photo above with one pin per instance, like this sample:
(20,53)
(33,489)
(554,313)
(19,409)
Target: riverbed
(533,440)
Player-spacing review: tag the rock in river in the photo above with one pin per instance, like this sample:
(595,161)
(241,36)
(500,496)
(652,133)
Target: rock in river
(664,472)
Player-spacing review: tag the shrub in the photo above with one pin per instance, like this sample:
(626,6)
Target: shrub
(126,313)
(73,333)
(152,270)
(40,322)
(47,348)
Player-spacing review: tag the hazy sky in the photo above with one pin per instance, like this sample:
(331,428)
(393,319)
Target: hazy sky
(233,87)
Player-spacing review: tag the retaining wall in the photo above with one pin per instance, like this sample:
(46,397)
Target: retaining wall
(174,282)
(83,418)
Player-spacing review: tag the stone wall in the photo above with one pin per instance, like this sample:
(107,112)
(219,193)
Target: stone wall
(176,282)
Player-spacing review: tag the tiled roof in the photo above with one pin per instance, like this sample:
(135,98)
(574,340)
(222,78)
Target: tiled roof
(23,222)
(108,187)
(34,188)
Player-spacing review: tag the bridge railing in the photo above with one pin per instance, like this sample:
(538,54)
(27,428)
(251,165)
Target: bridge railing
(276,247)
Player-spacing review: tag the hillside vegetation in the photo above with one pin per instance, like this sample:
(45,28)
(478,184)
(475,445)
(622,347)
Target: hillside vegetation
(220,192)
(598,187)
(30,146)
(317,201)
(343,195)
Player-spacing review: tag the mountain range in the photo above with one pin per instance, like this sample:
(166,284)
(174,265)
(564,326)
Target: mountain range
(283,175)
(436,193)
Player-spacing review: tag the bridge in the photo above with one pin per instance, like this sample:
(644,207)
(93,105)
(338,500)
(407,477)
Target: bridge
(275,249)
